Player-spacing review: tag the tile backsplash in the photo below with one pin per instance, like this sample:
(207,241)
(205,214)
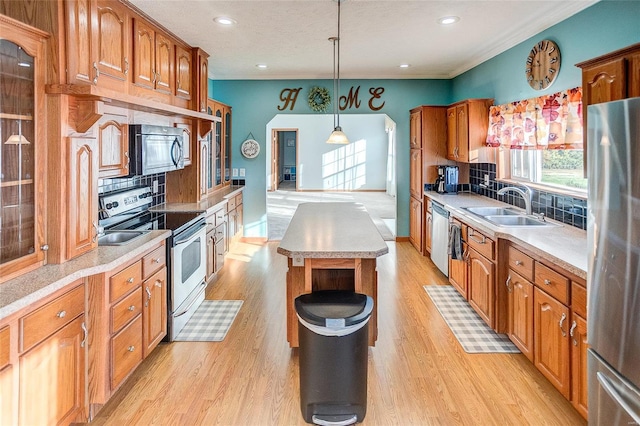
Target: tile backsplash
(106,186)
(569,210)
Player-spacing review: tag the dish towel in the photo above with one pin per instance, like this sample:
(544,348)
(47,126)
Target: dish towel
(455,241)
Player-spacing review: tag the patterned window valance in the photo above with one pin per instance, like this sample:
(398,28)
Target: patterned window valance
(547,122)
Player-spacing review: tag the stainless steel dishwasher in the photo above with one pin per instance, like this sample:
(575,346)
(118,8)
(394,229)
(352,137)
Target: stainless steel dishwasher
(440,238)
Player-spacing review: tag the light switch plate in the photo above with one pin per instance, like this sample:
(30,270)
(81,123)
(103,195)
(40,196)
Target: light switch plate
(486,179)
(242,172)
(298,261)
(235,172)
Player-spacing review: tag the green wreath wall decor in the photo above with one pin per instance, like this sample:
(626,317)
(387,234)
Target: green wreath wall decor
(319,99)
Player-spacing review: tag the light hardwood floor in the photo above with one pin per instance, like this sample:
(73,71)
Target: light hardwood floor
(418,373)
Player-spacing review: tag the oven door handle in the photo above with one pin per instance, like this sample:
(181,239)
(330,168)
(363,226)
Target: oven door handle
(195,299)
(190,233)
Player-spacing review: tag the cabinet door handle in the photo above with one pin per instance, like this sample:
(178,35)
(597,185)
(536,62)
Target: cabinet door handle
(132,308)
(126,154)
(571,332)
(61,314)
(547,282)
(508,283)
(146,302)
(126,66)
(158,260)
(96,74)
(84,334)
(564,317)
(616,395)
(131,348)
(44,247)
(518,262)
(130,280)
(95,236)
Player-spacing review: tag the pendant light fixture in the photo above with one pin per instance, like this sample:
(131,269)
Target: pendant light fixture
(337,136)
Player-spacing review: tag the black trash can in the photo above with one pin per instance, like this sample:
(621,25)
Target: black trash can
(334,342)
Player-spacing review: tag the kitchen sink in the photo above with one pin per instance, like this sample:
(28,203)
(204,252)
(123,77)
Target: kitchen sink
(519,220)
(119,238)
(492,211)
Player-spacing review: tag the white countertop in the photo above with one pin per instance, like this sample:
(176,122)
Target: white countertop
(29,288)
(208,205)
(332,230)
(564,245)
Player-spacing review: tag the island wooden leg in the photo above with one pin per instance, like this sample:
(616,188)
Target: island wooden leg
(295,287)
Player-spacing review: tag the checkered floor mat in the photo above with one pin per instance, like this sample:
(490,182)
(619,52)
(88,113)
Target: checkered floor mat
(211,321)
(472,332)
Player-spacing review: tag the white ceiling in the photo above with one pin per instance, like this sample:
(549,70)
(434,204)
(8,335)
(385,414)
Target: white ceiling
(291,37)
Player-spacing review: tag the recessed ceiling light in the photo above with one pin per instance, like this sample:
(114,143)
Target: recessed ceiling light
(261,66)
(448,20)
(223,20)
(404,65)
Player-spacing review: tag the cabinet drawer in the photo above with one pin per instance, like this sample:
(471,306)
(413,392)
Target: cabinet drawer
(579,299)
(481,243)
(154,261)
(231,204)
(521,263)
(51,317)
(126,309)
(238,199)
(220,233)
(552,282)
(5,344)
(125,281)
(126,351)
(221,216)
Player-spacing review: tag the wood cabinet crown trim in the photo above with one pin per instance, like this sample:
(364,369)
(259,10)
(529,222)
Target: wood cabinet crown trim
(609,56)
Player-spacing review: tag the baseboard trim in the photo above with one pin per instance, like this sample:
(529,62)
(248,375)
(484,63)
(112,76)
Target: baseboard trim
(402,239)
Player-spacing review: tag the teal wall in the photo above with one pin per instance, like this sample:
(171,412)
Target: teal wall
(603,27)
(255,103)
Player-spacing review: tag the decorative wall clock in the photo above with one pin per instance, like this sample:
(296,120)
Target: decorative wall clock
(250,148)
(543,64)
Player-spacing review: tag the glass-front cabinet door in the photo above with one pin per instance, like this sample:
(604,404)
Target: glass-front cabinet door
(21,171)
(227,144)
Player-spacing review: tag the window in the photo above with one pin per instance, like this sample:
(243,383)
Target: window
(557,168)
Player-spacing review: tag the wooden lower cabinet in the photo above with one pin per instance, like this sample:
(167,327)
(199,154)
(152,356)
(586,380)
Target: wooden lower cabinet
(52,379)
(154,311)
(481,286)
(458,276)
(579,346)
(127,320)
(520,322)
(551,340)
(415,223)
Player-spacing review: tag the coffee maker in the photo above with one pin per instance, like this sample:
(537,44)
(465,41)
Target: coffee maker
(447,180)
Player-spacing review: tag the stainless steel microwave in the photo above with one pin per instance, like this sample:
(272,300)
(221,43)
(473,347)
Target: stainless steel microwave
(154,149)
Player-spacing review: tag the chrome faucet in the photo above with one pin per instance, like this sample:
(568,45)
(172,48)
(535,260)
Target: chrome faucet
(526,194)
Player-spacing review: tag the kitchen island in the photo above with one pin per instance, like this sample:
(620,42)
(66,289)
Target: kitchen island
(331,246)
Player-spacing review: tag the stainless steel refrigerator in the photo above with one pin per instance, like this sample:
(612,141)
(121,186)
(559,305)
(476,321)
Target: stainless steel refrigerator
(613,276)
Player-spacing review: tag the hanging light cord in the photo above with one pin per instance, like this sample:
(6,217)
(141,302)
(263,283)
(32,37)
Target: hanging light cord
(338,80)
(335,91)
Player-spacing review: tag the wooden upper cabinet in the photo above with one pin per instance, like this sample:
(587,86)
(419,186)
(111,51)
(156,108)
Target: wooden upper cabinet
(184,71)
(98,43)
(81,41)
(164,64)
(154,57)
(416,187)
(415,129)
(467,125)
(144,54)
(113,41)
(610,77)
(113,143)
(82,217)
(201,58)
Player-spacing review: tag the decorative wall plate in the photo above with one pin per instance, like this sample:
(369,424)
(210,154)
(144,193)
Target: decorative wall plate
(250,148)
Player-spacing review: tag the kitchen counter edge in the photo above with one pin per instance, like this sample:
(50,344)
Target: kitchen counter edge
(33,286)
(564,245)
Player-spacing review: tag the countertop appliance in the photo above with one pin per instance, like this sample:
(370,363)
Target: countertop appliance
(613,271)
(186,248)
(447,180)
(440,238)
(154,149)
